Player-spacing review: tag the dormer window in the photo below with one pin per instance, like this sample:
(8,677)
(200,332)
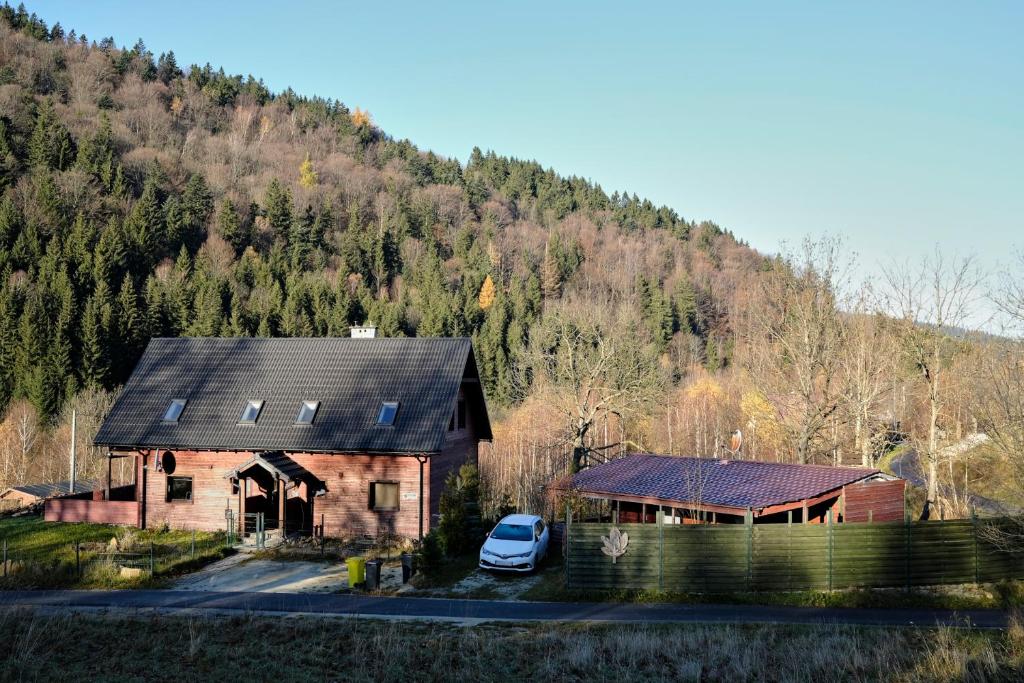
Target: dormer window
(250,413)
(174,410)
(387,413)
(307,411)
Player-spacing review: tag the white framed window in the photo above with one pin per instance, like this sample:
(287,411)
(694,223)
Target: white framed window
(251,412)
(175,409)
(307,412)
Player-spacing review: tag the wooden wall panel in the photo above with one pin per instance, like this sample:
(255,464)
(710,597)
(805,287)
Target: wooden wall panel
(881,501)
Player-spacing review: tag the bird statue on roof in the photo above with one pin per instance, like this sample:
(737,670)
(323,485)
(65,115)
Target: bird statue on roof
(736,442)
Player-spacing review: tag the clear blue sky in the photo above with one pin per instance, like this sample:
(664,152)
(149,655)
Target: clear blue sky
(898,125)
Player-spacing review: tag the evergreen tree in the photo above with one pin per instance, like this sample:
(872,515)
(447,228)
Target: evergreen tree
(230,226)
(551,279)
(50,146)
(277,206)
(8,160)
(196,208)
(684,301)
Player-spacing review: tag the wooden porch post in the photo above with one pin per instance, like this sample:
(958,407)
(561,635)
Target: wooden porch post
(280,505)
(804,516)
(110,459)
(243,485)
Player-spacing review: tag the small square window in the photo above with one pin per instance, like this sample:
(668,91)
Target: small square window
(384,495)
(387,413)
(307,411)
(179,489)
(251,413)
(175,409)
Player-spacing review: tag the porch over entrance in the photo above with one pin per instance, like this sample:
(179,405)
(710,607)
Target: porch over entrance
(282,490)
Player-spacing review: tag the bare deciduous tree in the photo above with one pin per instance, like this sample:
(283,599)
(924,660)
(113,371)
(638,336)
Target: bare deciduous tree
(797,339)
(590,366)
(930,305)
(867,368)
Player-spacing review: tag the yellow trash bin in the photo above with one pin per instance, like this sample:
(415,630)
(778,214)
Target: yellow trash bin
(356,571)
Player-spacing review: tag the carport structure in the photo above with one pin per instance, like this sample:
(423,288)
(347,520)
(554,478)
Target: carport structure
(689,490)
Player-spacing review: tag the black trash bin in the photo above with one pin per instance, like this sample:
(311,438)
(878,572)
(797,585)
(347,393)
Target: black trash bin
(373,574)
(408,568)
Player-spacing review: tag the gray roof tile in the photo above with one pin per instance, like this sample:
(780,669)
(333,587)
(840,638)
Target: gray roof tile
(350,378)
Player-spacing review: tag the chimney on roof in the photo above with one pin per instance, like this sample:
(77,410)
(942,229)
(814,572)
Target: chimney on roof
(366,331)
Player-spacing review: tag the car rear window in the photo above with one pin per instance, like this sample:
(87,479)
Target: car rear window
(513,532)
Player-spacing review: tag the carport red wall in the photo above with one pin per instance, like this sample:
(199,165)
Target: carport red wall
(884,501)
(345,505)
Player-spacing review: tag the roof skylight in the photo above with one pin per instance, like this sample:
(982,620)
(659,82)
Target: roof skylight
(174,410)
(387,413)
(251,413)
(307,411)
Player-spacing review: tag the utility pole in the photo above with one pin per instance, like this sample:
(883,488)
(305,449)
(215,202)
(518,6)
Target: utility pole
(74,425)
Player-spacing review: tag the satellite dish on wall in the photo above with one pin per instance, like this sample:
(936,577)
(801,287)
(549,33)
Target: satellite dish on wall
(168,462)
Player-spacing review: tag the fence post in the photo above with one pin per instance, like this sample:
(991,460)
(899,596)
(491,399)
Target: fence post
(661,549)
(5,558)
(830,542)
(323,535)
(568,541)
(151,560)
(906,554)
(748,521)
(974,528)
(78,559)
(193,544)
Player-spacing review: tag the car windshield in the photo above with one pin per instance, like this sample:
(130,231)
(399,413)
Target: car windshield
(513,532)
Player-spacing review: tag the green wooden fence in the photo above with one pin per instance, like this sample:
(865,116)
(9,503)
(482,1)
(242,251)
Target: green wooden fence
(771,557)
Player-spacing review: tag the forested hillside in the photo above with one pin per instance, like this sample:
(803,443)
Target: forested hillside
(143,198)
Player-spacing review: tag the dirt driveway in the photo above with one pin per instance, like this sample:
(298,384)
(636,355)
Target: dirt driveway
(243,573)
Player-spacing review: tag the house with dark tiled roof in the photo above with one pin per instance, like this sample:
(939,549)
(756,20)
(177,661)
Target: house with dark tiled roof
(699,490)
(351,436)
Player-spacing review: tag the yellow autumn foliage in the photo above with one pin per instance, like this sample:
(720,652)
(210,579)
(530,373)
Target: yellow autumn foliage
(705,388)
(761,419)
(361,118)
(308,177)
(486,297)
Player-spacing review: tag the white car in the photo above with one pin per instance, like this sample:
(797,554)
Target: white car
(517,544)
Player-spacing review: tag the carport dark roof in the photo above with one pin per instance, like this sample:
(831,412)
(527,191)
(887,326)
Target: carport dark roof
(349,377)
(57,488)
(733,483)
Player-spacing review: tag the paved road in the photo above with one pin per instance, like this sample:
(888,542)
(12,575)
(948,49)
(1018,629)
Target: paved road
(472,611)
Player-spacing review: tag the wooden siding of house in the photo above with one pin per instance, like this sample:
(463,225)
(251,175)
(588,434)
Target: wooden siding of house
(124,512)
(460,447)
(875,501)
(344,507)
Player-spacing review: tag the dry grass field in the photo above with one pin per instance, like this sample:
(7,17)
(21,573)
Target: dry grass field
(75,646)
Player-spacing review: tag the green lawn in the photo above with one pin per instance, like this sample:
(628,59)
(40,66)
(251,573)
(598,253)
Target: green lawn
(43,554)
(168,648)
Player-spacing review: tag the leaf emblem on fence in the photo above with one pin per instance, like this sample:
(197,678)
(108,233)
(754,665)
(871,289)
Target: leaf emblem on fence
(615,544)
